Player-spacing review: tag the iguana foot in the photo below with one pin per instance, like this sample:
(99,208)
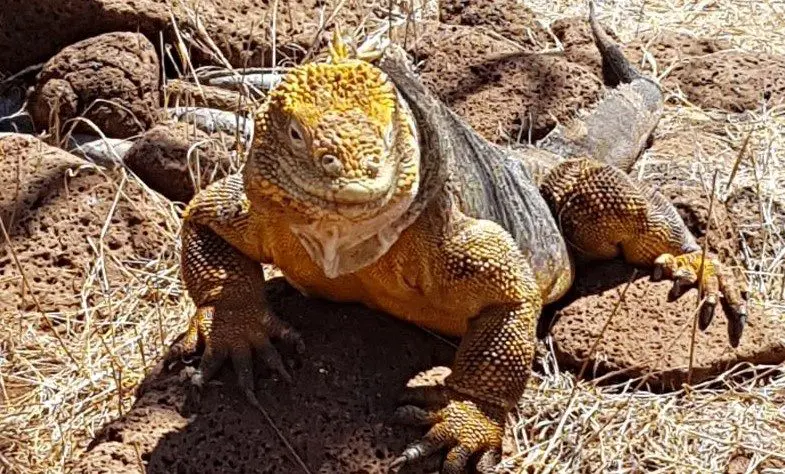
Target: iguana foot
(234,333)
(716,280)
(462,425)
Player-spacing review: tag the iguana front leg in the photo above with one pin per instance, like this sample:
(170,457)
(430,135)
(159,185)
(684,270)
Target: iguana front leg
(226,283)
(480,264)
(603,212)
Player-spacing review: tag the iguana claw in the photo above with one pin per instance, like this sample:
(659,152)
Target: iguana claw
(685,269)
(463,426)
(234,334)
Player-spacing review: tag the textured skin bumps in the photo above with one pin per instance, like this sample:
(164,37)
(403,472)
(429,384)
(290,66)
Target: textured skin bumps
(624,216)
(345,117)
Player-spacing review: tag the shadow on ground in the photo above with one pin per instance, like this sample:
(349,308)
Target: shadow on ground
(336,414)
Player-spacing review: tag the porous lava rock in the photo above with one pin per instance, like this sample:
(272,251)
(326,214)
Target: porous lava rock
(704,69)
(756,215)
(505,93)
(509,18)
(33,31)
(60,213)
(177,160)
(650,336)
(336,414)
(667,48)
(731,80)
(112,80)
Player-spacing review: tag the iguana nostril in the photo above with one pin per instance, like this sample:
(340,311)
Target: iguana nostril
(332,165)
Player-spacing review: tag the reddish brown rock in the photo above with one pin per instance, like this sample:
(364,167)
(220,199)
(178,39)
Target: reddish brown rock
(111,80)
(651,336)
(509,18)
(56,209)
(733,81)
(33,31)
(755,216)
(177,160)
(503,92)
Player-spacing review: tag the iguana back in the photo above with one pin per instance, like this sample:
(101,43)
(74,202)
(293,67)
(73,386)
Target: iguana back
(485,180)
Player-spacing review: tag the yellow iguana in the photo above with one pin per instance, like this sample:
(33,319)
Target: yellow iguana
(361,186)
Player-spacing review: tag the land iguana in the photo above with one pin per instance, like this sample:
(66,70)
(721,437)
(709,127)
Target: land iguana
(362,186)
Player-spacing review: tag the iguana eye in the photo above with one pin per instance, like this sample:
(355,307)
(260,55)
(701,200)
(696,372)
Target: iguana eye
(296,135)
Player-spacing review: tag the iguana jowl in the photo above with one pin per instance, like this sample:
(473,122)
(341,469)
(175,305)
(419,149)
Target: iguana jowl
(362,186)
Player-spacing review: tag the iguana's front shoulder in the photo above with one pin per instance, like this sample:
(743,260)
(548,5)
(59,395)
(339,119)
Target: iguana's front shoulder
(222,202)
(225,208)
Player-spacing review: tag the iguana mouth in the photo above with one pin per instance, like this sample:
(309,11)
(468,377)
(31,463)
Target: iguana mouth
(319,203)
(351,196)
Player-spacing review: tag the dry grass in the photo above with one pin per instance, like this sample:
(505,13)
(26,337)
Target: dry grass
(55,397)
(51,406)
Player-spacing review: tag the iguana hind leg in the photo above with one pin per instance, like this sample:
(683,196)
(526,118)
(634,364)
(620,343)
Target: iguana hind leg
(603,212)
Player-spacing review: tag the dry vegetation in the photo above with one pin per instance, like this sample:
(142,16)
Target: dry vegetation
(62,389)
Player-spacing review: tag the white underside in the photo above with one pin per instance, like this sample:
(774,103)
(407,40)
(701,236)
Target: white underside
(342,247)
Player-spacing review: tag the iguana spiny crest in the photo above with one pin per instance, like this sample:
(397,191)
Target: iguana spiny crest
(337,146)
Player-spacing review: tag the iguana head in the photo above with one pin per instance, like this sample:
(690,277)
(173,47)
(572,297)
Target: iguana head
(336,145)
(335,140)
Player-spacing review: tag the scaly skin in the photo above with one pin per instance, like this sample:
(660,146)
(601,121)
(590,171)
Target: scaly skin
(340,194)
(629,218)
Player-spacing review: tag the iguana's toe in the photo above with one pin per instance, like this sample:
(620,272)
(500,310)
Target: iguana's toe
(715,280)
(235,333)
(463,427)
(736,328)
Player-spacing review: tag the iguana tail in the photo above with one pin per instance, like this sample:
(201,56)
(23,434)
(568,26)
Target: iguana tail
(617,130)
(616,69)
